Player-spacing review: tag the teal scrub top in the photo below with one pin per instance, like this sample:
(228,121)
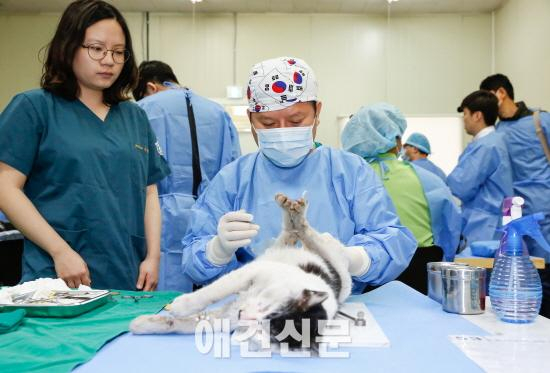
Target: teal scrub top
(88,179)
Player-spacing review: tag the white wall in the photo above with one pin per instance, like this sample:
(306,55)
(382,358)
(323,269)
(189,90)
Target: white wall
(523,50)
(21,40)
(425,64)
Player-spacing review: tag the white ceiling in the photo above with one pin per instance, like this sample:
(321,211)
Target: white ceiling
(277,6)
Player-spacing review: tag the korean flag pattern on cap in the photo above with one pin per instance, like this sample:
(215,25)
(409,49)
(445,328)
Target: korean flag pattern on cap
(279,83)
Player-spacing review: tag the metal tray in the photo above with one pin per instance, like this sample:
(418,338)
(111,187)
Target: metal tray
(69,303)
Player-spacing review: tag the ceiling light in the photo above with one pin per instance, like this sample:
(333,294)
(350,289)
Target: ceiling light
(200,1)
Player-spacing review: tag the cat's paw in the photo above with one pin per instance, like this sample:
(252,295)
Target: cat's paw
(299,205)
(152,324)
(186,305)
(283,201)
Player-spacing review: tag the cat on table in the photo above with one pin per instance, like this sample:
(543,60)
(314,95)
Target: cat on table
(284,284)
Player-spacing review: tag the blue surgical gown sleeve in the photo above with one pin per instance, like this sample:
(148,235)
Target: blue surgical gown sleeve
(205,215)
(388,243)
(474,167)
(20,132)
(445,215)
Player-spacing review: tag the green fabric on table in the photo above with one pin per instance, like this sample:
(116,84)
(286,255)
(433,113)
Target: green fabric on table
(59,344)
(9,320)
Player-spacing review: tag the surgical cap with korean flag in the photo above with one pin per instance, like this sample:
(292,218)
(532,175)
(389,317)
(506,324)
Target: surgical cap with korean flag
(280,82)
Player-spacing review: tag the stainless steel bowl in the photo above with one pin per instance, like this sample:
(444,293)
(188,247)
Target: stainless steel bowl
(435,284)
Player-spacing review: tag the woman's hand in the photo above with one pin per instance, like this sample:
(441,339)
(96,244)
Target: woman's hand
(70,267)
(148,274)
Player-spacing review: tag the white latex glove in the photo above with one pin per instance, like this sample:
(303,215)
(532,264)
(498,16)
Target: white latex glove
(359,260)
(235,229)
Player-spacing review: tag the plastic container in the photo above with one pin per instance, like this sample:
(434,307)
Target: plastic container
(515,287)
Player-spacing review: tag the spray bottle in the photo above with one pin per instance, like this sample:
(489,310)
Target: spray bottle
(515,288)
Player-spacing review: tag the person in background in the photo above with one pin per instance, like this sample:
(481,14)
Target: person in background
(416,150)
(237,218)
(483,176)
(217,144)
(79,162)
(423,202)
(530,165)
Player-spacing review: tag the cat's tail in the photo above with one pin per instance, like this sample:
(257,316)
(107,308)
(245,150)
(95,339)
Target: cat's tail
(166,324)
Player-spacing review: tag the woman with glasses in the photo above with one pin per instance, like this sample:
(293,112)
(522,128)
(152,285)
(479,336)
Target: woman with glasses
(79,162)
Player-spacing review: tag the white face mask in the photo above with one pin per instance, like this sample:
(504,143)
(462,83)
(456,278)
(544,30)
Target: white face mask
(403,155)
(286,147)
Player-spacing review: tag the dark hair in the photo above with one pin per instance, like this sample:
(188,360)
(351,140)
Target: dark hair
(483,101)
(152,71)
(58,75)
(494,82)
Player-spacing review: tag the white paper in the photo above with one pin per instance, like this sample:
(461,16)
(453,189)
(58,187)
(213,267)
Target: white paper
(370,335)
(505,353)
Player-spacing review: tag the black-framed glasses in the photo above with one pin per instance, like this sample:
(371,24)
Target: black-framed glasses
(97,52)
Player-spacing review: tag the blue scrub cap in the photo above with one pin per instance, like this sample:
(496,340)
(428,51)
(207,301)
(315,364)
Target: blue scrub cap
(420,142)
(373,129)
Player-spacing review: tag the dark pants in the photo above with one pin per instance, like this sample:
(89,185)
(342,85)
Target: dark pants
(416,274)
(545,279)
(11,253)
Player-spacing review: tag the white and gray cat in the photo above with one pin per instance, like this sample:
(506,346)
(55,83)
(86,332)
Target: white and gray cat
(282,284)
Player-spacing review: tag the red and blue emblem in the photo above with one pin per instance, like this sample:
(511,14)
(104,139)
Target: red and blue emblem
(278,87)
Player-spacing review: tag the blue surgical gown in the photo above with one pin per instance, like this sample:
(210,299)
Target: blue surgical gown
(218,145)
(530,170)
(87,178)
(481,180)
(426,164)
(346,198)
(444,213)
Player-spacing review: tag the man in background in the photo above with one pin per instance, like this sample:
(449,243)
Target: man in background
(416,149)
(179,116)
(483,176)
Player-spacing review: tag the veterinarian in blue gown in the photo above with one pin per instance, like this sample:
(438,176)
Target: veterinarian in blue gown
(164,101)
(483,175)
(423,201)
(237,218)
(79,162)
(417,149)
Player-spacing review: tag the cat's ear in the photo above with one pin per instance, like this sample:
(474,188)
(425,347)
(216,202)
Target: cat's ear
(311,298)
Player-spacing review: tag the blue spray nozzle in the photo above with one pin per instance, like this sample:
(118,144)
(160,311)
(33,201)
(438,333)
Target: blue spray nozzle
(528,226)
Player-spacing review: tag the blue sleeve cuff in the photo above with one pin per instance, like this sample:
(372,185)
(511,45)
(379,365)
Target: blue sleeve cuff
(198,268)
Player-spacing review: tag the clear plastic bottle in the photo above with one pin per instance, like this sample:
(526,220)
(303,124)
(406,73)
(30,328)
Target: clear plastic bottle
(515,287)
